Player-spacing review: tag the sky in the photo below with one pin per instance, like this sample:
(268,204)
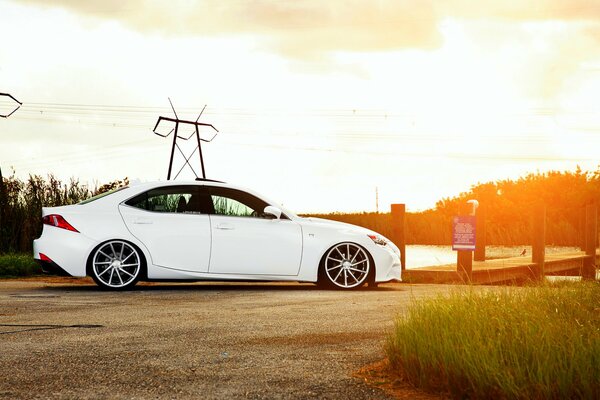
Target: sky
(321,105)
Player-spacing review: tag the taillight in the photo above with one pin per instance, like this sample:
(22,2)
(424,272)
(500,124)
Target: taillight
(58,221)
(44,257)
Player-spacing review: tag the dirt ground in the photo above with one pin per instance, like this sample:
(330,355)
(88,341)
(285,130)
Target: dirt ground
(64,338)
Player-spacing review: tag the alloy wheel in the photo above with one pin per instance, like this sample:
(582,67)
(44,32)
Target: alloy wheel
(347,265)
(116,265)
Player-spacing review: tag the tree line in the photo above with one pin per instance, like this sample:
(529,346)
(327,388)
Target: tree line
(509,205)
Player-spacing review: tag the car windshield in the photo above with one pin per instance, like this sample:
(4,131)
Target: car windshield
(101,195)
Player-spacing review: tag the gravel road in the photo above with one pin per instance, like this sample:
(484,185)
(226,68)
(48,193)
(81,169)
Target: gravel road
(67,339)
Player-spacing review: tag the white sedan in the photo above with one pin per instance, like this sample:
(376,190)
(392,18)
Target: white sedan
(206,230)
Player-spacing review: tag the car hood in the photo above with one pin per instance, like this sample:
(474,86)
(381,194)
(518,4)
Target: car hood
(327,223)
(336,224)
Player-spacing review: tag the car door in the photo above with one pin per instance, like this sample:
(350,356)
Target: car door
(169,221)
(246,242)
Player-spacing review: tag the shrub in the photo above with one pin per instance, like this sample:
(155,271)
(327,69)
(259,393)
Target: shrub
(18,265)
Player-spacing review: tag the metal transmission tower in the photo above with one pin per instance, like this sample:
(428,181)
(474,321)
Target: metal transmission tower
(196,125)
(10,99)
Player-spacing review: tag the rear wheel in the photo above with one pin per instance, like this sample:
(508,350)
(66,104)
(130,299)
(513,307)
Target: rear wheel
(345,266)
(116,265)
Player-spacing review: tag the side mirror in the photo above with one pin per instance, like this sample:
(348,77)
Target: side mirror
(273,211)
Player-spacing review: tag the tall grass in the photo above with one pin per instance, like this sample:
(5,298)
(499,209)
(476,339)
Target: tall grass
(519,343)
(21,203)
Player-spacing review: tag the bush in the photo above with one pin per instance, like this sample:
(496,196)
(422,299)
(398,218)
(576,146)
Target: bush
(18,265)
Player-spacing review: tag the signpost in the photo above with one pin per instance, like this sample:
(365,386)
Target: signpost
(463,239)
(463,233)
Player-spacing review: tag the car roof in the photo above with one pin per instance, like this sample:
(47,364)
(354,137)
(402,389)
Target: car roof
(208,180)
(197,182)
(137,188)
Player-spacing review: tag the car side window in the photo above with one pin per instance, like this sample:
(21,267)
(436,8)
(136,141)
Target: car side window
(236,203)
(187,199)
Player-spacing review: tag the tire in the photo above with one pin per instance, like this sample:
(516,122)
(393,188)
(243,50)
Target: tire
(116,265)
(345,266)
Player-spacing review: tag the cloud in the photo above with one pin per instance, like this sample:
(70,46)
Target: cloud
(549,69)
(307,29)
(522,10)
(310,31)
(300,29)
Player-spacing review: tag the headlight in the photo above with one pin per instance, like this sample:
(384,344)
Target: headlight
(378,240)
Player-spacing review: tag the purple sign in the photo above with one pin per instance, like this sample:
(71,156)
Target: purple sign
(463,233)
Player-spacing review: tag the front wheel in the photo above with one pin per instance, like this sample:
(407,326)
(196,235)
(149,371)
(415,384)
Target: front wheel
(116,265)
(346,266)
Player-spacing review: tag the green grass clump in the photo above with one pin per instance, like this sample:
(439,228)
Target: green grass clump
(515,343)
(12,265)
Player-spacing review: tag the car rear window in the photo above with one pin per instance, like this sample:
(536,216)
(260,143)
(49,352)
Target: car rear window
(101,195)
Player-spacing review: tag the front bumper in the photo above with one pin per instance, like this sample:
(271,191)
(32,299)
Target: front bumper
(388,265)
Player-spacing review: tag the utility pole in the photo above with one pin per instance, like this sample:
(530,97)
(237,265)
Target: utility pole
(9,98)
(177,121)
(1,212)
(377,199)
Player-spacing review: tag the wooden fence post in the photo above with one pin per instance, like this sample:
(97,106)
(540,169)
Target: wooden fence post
(480,233)
(591,235)
(399,230)
(464,258)
(538,246)
(464,264)
(581,232)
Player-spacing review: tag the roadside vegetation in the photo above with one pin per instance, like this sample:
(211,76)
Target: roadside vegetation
(21,205)
(17,265)
(518,343)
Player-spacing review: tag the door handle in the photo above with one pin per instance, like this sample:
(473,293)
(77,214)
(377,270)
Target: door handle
(142,221)
(225,227)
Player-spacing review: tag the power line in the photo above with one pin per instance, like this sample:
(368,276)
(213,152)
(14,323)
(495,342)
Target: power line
(460,156)
(350,132)
(345,112)
(524,137)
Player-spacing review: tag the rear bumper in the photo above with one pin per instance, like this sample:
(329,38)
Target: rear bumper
(67,251)
(51,268)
